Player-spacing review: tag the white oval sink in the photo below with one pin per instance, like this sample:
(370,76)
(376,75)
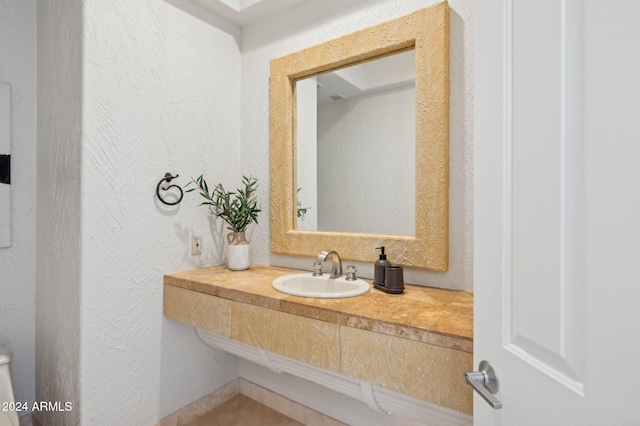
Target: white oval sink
(306,285)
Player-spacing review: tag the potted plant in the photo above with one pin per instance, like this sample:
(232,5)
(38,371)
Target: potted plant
(238,209)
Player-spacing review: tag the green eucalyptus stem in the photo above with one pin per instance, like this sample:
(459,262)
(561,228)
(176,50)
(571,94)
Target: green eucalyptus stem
(238,209)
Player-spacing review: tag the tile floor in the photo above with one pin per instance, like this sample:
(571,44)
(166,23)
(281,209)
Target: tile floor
(242,411)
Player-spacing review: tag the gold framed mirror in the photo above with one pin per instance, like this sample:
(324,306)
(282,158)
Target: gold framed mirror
(427,32)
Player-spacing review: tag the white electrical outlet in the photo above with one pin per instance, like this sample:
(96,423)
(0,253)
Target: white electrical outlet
(196,245)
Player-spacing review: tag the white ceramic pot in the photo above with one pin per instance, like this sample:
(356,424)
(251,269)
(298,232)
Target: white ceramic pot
(239,251)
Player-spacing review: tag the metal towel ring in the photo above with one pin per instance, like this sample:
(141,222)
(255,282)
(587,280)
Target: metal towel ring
(167,178)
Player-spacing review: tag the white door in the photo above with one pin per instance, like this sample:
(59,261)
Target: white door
(557,210)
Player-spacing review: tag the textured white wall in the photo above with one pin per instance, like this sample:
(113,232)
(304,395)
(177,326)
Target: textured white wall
(58,217)
(128,91)
(161,94)
(311,23)
(17,263)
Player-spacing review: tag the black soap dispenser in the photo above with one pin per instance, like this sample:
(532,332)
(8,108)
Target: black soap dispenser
(378,271)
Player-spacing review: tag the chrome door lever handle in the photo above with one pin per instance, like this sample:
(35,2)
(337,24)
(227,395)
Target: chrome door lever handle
(485,382)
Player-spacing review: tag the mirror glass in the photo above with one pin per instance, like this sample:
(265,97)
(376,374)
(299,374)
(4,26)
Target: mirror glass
(355,132)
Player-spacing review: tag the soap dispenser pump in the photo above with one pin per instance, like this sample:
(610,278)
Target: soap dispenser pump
(378,271)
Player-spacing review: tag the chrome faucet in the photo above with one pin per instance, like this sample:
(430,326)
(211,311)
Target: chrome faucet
(336,268)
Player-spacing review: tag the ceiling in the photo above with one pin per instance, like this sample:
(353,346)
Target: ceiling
(246,12)
(384,73)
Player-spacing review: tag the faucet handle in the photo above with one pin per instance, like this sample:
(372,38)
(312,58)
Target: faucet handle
(351,273)
(317,269)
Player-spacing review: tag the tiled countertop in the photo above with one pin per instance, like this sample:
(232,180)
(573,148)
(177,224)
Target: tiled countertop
(430,315)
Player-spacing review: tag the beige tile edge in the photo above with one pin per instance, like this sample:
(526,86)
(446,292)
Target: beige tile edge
(201,406)
(286,406)
(264,396)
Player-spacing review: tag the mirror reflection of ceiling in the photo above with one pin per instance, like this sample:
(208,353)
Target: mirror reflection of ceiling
(382,74)
(246,12)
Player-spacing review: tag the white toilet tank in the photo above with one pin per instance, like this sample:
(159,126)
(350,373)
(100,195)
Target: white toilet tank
(7,418)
